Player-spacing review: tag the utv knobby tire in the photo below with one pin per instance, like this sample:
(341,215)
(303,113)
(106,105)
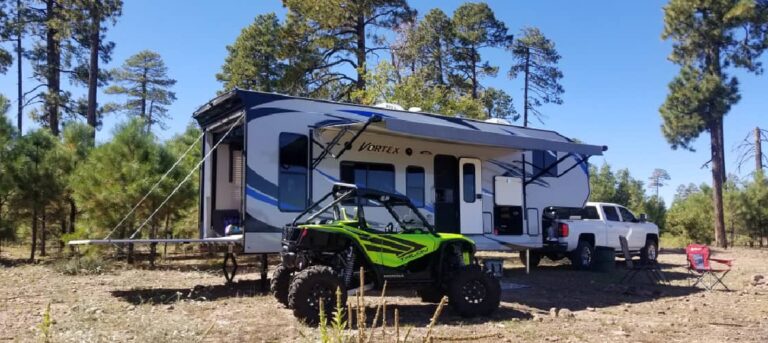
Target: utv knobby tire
(473,292)
(430,294)
(308,286)
(278,285)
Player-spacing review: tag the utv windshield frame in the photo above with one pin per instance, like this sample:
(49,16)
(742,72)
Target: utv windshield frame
(360,197)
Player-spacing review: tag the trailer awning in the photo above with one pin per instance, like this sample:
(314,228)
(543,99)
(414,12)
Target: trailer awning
(451,134)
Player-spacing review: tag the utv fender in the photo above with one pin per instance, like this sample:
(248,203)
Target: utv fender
(444,249)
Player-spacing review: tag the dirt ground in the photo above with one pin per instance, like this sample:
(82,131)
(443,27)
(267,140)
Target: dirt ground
(186,300)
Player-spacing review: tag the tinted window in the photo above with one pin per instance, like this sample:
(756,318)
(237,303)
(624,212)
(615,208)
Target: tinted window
(468,173)
(292,169)
(543,159)
(414,185)
(626,216)
(369,175)
(611,213)
(590,212)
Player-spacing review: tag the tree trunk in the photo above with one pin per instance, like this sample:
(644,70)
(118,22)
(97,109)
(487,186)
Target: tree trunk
(19,67)
(758,151)
(716,146)
(93,68)
(43,235)
(525,87)
(473,52)
(152,246)
(33,248)
(130,253)
(63,232)
(360,52)
(53,59)
(72,214)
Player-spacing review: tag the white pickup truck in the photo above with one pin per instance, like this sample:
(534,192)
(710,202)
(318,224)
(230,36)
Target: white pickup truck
(574,233)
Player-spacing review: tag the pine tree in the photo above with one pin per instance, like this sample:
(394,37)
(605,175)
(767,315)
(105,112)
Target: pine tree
(476,27)
(536,59)
(347,33)
(498,104)
(144,80)
(708,37)
(658,179)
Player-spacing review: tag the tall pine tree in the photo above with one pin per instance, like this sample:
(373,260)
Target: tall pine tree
(708,37)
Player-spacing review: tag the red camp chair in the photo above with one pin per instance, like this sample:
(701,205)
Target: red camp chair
(700,268)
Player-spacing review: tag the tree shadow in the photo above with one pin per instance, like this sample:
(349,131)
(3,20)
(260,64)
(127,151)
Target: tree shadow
(164,296)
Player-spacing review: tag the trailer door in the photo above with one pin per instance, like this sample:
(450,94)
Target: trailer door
(471,196)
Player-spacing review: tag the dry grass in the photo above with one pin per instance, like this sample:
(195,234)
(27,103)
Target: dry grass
(186,300)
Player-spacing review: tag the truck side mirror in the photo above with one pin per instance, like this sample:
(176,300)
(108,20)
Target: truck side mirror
(643,217)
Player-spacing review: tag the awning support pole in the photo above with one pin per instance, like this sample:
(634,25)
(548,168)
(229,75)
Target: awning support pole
(549,167)
(347,145)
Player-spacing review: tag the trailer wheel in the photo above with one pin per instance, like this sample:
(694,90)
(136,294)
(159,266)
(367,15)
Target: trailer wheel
(583,257)
(473,293)
(308,287)
(535,258)
(278,285)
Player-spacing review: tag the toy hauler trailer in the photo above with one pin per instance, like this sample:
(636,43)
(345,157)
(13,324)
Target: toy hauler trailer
(486,180)
(267,157)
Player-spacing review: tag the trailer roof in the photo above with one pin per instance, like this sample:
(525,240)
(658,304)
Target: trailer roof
(416,124)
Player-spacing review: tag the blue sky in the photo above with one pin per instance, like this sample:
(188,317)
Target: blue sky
(614,61)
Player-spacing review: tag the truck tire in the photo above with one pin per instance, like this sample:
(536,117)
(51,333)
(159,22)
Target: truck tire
(583,257)
(535,258)
(430,294)
(472,292)
(308,287)
(278,285)
(650,251)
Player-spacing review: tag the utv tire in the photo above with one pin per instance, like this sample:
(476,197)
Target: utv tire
(650,251)
(308,287)
(430,294)
(473,292)
(281,280)
(584,256)
(535,258)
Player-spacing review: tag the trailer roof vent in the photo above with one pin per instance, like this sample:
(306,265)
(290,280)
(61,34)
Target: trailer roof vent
(389,106)
(498,121)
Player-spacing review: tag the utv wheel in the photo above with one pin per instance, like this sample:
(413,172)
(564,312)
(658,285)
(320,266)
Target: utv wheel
(650,251)
(535,258)
(431,294)
(281,280)
(473,293)
(583,257)
(308,287)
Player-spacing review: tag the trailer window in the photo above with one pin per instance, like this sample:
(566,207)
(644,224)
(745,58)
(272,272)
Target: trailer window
(468,173)
(414,185)
(543,159)
(611,213)
(369,175)
(293,169)
(590,212)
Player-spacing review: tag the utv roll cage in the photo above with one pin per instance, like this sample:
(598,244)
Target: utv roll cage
(343,192)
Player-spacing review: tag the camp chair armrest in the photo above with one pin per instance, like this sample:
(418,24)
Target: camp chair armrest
(722,261)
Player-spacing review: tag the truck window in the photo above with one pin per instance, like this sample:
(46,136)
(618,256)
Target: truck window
(611,213)
(626,215)
(589,212)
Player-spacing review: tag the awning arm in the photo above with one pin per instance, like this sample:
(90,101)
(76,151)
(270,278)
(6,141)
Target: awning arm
(546,170)
(347,145)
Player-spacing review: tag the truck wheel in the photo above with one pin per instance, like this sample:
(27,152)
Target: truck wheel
(583,257)
(281,280)
(472,292)
(430,294)
(650,251)
(535,258)
(308,287)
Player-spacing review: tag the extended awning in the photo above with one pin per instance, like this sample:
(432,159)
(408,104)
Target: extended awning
(449,134)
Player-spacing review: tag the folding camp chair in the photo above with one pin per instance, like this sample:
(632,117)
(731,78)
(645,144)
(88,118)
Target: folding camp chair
(700,268)
(651,268)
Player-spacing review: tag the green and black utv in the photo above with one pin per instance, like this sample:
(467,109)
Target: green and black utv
(349,228)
